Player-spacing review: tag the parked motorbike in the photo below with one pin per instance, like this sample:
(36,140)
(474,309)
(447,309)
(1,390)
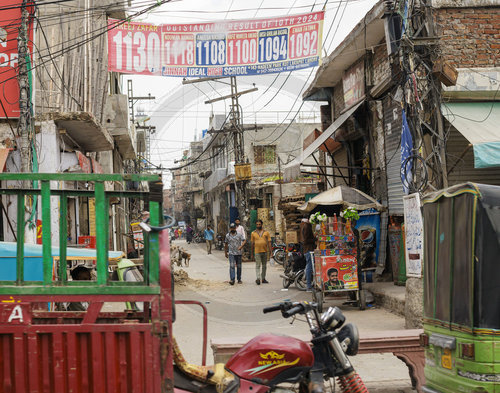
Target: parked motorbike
(219,243)
(294,268)
(270,363)
(279,252)
(199,238)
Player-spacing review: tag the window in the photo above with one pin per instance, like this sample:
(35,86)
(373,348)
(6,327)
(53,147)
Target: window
(264,154)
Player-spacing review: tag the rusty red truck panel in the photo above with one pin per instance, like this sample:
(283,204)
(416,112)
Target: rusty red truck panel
(92,350)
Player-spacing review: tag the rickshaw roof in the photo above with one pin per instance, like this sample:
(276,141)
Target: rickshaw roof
(461,248)
(487,193)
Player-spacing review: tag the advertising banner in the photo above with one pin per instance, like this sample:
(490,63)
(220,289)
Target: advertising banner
(414,235)
(216,49)
(368,226)
(338,272)
(353,82)
(10,22)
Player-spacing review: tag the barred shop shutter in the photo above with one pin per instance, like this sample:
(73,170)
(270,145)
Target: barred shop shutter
(392,135)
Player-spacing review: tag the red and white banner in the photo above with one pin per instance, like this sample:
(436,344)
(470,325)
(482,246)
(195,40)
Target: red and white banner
(225,48)
(10,22)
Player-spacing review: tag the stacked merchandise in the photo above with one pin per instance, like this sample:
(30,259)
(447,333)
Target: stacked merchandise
(267,223)
(289,208)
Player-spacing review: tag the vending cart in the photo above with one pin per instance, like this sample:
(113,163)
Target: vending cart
(336,267)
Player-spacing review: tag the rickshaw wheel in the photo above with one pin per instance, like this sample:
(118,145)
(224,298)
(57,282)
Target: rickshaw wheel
(286,282)
(362,300)
(318,298)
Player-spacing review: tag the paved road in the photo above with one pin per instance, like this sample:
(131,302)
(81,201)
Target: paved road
(236,311)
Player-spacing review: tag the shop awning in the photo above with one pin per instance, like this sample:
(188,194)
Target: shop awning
(292,169)
(479,123)
(344,196)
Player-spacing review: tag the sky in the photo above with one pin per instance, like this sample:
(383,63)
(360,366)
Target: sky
(179,112)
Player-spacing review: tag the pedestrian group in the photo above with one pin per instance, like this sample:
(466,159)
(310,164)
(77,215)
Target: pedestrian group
(260,240)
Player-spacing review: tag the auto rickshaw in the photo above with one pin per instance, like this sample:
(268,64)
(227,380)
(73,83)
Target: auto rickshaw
(462,289)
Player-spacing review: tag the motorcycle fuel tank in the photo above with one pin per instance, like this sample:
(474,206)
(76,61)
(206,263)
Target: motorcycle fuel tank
(268,355)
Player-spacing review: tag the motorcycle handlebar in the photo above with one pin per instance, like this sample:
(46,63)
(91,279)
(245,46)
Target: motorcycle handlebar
(293,311)
(271,309)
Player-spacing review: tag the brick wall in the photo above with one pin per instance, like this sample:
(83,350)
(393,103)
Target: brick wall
(470,36)
(338,99)
(380,63)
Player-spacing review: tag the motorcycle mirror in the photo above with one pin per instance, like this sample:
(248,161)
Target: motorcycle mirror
(332,318)
(348,337)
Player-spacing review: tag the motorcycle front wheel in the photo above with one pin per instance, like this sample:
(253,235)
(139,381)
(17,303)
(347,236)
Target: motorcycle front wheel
(300,281)
(279,256)
(286,282)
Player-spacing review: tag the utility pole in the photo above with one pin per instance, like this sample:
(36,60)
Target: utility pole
(132,100)
(418,53)
(24,124)
(237,129)
(239,150)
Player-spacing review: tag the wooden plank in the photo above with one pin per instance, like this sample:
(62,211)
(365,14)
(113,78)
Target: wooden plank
(19,363)
(34,367)
(112,365)
(72,356)
(58,359)
(20,240)
(46,232)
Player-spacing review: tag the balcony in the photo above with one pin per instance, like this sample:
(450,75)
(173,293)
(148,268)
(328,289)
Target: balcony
(214,179)
(80,130)
(116,121)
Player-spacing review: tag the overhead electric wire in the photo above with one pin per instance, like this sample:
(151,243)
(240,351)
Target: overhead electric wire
(80,106)
(102,31)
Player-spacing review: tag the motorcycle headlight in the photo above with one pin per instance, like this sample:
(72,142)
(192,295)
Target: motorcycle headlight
(349,339)
(332,318)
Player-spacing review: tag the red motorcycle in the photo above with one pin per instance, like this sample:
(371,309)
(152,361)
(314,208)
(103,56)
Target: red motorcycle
(270,363)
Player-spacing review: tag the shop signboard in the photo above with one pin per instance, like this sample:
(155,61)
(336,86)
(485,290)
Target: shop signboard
(216,49)
(338,272)
(353,82)
(414,232)
(10,22)
(368,226)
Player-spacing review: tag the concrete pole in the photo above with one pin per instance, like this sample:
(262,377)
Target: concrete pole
(24,93)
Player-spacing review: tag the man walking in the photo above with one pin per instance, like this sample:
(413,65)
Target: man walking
(240,229)
(308,241)
(209,238)
(233,245)
(261,243)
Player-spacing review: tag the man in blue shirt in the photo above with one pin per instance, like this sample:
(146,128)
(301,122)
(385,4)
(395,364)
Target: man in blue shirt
(209,238)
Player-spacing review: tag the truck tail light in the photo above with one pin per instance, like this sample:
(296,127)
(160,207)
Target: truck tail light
(424,340)
(467,351)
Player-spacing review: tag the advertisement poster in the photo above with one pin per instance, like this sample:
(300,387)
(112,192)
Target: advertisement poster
(10,21)
(216,49)
(138,236)
(368,227)
(414,235)
(339,272)
(353,82)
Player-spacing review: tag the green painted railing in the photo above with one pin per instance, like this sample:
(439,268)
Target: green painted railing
(102,285)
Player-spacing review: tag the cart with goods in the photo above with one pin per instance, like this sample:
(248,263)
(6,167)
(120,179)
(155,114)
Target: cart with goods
(336,265)
(337,258)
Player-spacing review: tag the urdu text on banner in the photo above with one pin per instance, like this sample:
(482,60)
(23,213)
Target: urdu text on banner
(216,49)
